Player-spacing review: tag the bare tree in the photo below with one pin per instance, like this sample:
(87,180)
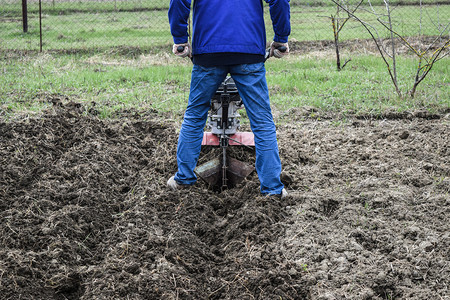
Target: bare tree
(389,23)
(337,27)
(426,58)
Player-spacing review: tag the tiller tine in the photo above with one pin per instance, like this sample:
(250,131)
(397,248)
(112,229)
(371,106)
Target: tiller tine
(210,171)
(236,172)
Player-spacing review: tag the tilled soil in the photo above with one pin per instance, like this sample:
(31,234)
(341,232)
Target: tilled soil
(85,213)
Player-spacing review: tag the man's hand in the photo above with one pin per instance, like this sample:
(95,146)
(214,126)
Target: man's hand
(182,50)
(279,50)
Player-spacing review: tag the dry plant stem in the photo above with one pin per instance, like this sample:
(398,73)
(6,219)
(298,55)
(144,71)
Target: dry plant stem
(422,71)
(366,26)
(336,43)
(394,60)
(420,20)
(416,51)
(336,30)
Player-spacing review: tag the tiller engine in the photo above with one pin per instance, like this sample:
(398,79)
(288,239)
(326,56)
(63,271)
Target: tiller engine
(224,123)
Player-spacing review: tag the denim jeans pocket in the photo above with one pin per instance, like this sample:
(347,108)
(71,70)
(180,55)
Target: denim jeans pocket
(252,68)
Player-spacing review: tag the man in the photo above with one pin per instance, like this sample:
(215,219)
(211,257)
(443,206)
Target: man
(229,37)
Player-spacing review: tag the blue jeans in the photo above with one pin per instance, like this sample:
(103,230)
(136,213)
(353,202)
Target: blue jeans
(251,83)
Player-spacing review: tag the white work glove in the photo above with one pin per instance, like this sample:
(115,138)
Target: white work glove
(276,51)
(185,52)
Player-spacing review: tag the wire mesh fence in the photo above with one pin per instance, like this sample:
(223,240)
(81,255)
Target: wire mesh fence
(102,24)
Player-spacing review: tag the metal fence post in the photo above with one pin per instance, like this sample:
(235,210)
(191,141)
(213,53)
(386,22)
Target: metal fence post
(40,26)
(24,16)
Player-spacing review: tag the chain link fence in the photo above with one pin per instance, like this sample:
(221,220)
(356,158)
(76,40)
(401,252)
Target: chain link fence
(102,24)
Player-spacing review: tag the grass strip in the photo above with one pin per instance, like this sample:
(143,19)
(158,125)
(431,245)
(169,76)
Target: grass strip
(161,83)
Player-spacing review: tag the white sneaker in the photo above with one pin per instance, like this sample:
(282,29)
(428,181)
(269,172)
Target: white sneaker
(173,185)
(283,195)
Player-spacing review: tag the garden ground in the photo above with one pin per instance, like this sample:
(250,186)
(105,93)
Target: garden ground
(86,213)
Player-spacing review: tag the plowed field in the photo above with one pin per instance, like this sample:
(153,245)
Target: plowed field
(85,212)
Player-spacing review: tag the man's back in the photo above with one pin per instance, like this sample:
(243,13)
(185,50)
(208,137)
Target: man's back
(230,26)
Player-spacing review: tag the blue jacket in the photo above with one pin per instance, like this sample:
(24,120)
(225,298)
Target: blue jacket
(235,26)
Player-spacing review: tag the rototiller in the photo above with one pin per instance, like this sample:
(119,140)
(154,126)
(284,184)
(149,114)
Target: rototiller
(223,123)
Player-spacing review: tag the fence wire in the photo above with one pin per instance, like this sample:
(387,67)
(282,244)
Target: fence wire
(102,24)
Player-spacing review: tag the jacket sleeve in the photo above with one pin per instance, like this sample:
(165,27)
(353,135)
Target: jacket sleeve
(178,18)
(281,20)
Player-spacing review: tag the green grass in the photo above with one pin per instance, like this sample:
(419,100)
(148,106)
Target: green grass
(86,29)
(57,7)
(161,82)
(363,86)
(313,23)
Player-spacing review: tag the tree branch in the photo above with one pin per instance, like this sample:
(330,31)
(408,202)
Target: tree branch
(366,26)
